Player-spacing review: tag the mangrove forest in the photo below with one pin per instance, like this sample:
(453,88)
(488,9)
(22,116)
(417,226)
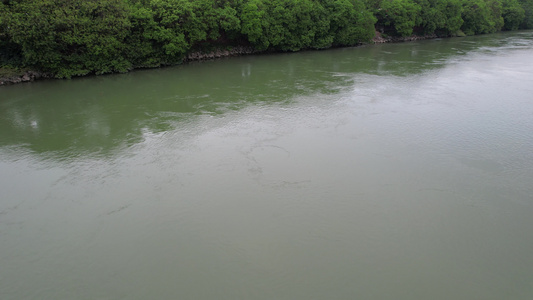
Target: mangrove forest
(67,38)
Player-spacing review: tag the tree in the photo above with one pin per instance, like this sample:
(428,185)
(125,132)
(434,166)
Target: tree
(481,16)
(402,15)
(513,14)
(77,37)
(251,16)
(164,31)
(440,16)
(70,37)
(452,10)
(527,22)
(351,22)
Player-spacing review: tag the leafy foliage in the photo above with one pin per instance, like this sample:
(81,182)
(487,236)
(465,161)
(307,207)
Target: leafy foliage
(527,22)
(291,25)
(76,37)
(441,17)
(513,14)
(482,16)
(351,22)
(400,14)
(70,37)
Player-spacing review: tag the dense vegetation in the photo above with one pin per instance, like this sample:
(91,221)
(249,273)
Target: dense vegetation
(76,37)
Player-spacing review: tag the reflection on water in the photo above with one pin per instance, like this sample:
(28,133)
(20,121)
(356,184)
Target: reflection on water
(98,114)
(398,171)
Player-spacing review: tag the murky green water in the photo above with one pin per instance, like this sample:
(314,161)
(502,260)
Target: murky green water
(401,171)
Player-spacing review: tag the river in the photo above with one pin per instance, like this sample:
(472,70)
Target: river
(394,171)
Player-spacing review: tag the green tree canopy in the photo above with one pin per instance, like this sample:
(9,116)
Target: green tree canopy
(513,14)
(480,16)
(70,37)
(402,15)
(77,37)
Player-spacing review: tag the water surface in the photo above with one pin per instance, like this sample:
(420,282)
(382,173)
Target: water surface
(398,171)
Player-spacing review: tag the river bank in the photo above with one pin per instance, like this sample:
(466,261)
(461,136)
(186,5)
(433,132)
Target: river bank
(13,76)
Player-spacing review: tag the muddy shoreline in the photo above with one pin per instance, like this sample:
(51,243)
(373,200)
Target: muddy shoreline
(23,76)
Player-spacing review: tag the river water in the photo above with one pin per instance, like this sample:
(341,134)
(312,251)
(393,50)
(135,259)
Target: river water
(397,171)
